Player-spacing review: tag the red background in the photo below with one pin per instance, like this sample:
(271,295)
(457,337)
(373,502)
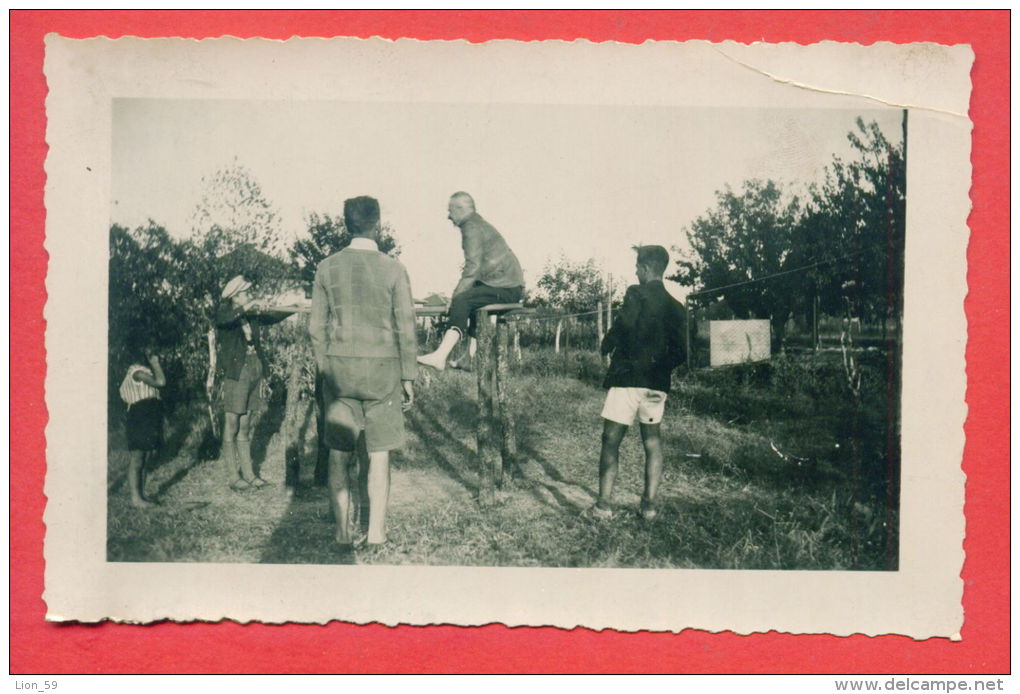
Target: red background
(38,647)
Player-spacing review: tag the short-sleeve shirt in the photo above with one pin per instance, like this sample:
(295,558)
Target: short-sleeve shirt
(132,391)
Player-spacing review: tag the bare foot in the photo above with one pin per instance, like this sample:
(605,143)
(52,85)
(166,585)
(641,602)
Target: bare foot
(142,503)
(345,539)
(435,361)
(597,512)
(648,512)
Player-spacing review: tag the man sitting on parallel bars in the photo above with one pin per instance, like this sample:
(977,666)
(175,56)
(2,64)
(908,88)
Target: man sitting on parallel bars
(492,275)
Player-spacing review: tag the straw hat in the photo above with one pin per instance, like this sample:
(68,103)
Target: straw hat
(238,284)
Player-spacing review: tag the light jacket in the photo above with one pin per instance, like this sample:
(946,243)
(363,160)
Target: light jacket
(362,307)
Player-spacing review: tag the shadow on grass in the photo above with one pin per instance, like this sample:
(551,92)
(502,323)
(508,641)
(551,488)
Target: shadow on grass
(529,440)
(430,430)
(182,441)
(296,445)
(180,422)
(433,436)
(306,533)
(268,423)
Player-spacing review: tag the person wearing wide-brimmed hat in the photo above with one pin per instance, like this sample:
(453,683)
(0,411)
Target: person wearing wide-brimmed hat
(240,359)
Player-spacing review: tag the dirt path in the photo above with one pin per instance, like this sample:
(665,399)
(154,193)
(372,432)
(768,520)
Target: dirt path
(433,477)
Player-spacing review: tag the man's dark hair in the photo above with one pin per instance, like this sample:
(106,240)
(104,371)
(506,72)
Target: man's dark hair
(654,257)
(361,214)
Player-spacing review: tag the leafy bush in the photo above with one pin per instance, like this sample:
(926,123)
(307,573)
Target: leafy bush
(583,365)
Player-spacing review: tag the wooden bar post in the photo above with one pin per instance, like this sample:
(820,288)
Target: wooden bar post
(321,474)
(609,304)
(485,435)
(291,443)
(609,315)
(687,333)
(598,323)
(507,421)
(568,323)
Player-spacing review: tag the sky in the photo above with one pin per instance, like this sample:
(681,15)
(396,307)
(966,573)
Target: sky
(557,180)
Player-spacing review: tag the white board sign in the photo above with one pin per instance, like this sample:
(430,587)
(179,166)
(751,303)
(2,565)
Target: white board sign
(739,341)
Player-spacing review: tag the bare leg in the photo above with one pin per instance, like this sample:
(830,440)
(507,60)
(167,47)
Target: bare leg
(609,460)
(340,492)
(437,359)
(378,495)
(244,452)
(653,467)
(231,424)
(147,459)
(136,479)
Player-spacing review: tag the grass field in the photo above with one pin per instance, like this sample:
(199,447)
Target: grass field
(766,468)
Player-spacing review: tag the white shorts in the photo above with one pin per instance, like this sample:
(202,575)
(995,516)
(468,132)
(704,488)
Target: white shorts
(622,404)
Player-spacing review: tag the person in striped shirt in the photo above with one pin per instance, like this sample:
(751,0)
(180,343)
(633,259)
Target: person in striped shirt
(144,422)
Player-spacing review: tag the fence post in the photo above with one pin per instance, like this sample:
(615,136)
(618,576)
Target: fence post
(598,323)
(508,423)
(291,443)
(566,340)
(687,330)
(559,329)
(609,304)
(484,433)
(321,449)
(814,321)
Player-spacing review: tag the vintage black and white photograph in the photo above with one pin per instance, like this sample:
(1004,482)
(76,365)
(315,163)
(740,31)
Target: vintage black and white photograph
(490,335)
(623,321)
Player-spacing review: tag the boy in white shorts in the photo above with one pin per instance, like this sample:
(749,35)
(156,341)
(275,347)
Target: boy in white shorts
(646,342)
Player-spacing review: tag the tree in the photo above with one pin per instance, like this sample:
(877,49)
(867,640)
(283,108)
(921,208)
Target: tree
(233,211)
(327,235)
(151,302)
(571,287)
(765,253)
(163,292)
(855,224)
(748,236)
(234,231)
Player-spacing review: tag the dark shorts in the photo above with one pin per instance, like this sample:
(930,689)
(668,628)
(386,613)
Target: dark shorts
(144,425)
(240,396)
(379,416)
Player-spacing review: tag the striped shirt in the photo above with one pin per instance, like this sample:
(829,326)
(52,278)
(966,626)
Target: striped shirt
(132,391)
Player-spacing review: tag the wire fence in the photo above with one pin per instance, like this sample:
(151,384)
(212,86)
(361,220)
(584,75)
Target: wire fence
(724,330)
(764,320)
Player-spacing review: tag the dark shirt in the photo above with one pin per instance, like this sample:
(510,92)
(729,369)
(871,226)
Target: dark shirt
(487,257)
(647,339)
(231,343)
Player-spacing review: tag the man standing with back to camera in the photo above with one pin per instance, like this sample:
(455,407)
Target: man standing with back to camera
(363,336)
(491,275)
(646,342)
